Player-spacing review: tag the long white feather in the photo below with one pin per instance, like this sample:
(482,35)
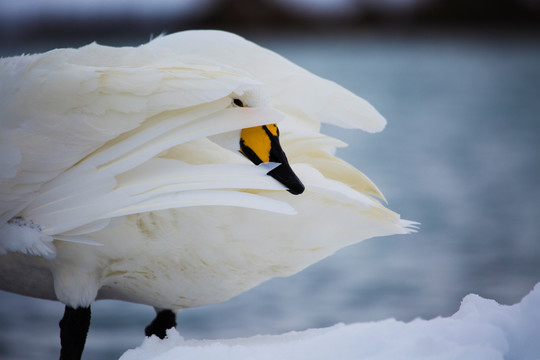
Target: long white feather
(206,198)
(224,121)
(85,193)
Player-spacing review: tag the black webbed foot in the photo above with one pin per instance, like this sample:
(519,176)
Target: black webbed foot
(165,319)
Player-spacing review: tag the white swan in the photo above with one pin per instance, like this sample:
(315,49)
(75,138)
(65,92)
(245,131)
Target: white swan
(125,173)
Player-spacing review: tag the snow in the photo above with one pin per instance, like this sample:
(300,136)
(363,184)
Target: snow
(482,329)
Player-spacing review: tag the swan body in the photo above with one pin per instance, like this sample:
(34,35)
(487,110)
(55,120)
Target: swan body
(122,177)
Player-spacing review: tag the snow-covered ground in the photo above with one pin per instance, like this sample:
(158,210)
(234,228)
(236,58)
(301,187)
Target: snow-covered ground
(482,329)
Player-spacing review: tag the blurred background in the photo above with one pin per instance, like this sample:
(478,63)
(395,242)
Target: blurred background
(459,83)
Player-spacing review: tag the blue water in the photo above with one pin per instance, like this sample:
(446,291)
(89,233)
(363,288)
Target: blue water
(461,155)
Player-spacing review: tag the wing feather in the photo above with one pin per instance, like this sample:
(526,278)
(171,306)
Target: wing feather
(61,106)
(93,134)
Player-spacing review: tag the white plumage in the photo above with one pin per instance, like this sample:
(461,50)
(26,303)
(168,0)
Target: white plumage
(120,175)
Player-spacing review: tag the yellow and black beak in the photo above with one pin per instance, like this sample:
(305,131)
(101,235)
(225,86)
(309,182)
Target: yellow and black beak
(261,144)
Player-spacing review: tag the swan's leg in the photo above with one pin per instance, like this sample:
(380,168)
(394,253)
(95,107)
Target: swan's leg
(73,330)
(165,319)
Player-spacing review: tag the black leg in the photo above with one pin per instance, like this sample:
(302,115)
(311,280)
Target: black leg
(73,330)
(165,319)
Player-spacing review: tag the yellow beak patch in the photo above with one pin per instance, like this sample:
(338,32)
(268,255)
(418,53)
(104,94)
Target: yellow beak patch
(256,142)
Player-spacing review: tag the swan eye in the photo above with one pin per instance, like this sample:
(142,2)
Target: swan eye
(238,102)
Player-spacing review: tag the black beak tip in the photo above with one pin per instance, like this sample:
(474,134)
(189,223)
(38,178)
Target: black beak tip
(285,175)
(296,189)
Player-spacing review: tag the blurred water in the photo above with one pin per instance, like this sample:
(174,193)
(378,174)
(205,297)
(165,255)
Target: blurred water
(460,154)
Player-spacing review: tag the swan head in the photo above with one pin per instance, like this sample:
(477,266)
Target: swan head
(260,144)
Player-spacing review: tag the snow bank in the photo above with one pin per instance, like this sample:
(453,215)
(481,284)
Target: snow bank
(481,329)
